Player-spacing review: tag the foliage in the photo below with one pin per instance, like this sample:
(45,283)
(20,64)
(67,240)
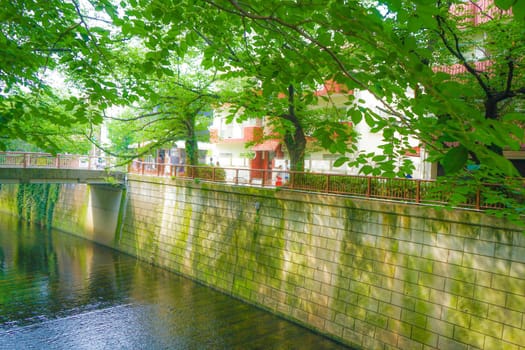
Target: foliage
(392,49)
(38,38)
(395,50)
(177,107)
(207,172)
(26,127)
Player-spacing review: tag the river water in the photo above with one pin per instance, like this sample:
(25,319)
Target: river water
(58,291)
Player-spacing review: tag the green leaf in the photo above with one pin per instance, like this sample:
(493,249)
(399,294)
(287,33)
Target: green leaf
(514,116)
(369,120)
(519,10)
(367,169)
(340,161)
(356,116)
(455,159)
(504,4)
(379,158)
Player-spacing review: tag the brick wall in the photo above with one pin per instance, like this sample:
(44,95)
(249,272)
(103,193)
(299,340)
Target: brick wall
(376,275)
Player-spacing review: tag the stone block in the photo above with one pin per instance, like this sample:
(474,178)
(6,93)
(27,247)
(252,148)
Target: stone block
(505,316)
(509,284)
(459,288)
(424,336)
(491,296)
(496,343)
(389,310)
(443,298)
(407,343)
(405,274)
(518,254)
(354,337)
(368,303)
(516,302)
(440,327)
(387,337)
(333,328)
(380,294)
(401,328)
(410,248)
(487,327)
(450,241)
(414,318)
(416,291)
(344,320)
(428,308)
(434,253)
(451,344)
(360,288)
(403,301)
(455,257)
(468,336)
(455,317)
(431,280)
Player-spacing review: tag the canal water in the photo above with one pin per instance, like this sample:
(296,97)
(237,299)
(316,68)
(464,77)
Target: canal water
(58,291)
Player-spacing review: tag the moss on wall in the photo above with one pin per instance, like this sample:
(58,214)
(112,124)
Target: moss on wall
(36,202)
(369,273)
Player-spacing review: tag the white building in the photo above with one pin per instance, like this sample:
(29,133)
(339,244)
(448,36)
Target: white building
(234,144)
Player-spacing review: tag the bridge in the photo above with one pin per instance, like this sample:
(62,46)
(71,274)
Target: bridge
(23,167)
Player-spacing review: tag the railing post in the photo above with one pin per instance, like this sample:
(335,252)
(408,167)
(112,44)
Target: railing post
(142,165)
(418,191)
(236,176)
(57,161)
(368,186)
(263,177)
(327,186)
(478,199)
(26,156)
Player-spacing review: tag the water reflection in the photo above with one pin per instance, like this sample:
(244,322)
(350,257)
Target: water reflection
(61,292)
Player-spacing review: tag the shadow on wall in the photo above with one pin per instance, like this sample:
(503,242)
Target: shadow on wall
(103,213)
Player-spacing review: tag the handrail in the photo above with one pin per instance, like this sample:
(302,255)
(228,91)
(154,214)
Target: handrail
(416,191)
(58,161)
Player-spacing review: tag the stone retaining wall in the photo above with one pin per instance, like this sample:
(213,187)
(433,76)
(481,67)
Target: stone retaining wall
(376,275)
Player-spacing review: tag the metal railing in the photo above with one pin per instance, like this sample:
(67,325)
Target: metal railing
(396,189)
(58,161)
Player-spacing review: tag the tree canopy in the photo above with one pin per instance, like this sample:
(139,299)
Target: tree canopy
(448,73)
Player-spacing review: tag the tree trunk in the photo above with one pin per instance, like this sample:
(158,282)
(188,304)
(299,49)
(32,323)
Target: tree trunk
(295,141)
(491,112)
(192,150)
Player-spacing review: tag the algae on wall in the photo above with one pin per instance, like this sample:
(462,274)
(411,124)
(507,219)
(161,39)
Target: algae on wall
(36,202)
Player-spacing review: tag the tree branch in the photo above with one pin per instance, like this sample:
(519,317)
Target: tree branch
(456,52)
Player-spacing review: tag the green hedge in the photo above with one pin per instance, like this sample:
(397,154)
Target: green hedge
(205,172)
